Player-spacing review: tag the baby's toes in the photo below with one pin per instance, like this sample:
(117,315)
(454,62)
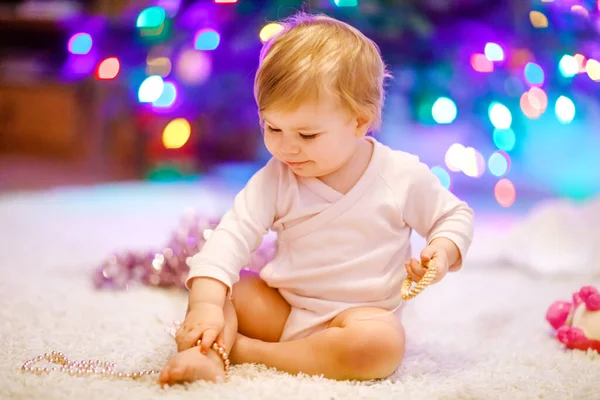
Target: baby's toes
(164,376)
(177,375)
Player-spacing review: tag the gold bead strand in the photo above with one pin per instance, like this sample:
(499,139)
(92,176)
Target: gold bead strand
(408,291)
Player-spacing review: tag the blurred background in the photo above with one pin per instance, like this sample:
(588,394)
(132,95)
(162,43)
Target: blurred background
(500,98)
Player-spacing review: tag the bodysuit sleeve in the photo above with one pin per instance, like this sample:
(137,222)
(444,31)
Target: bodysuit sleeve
(432,210)
(241,230)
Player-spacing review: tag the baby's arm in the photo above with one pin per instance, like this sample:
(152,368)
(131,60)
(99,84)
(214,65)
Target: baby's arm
(239,233)
(437,214)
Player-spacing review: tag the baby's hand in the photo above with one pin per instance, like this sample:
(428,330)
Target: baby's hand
(204,321)
(431,254)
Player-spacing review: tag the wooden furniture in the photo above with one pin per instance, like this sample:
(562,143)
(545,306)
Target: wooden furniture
(45,119)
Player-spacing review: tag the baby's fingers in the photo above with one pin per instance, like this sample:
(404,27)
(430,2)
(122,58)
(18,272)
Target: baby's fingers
(415,270)
(189,339)
(208,338)
(220,340)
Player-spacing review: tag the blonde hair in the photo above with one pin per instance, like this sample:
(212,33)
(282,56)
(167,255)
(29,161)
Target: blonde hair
(316,53)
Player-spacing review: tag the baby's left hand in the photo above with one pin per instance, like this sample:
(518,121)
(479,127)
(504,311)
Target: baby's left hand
(416,270)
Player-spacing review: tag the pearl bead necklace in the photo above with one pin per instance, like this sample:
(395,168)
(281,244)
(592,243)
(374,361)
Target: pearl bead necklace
(221,352)
(98,367)
(80,368)
(408,291)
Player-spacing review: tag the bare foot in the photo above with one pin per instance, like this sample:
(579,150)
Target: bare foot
(190,365)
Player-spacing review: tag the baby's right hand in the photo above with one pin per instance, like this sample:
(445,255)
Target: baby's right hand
(204,321)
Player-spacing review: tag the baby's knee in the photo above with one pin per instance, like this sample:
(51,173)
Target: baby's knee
(372,350)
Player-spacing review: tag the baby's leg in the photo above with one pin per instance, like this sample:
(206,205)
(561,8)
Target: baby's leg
(257,311)
(261,310)
(350,348)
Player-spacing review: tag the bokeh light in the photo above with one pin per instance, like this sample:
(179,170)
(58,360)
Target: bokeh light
(80,43)
(504,139)
(519,57)
(527,107)
(579,10)
(207,39)
(538,99)
(564,109)
(167,97)
(108,68)
(444,111)
(160,66)
(442,175)
(151,89)
(568,66)
(534,74)
(534,102)
(149,32)
(226,1)
(499,163)
(538,19)
(152,17)
(193,67)
(346,3)
(480,63)
(473,163)
(494,52)
(455,156)
(505,192)
(500,116)
(176,133)
(593,70)
(269,30)
(581,61)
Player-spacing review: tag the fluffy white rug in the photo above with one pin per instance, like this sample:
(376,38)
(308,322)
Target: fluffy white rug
(480,334)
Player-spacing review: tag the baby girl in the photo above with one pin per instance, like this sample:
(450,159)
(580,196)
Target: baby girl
(343,206)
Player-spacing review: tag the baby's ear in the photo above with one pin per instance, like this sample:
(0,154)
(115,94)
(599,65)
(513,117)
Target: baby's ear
(363,123)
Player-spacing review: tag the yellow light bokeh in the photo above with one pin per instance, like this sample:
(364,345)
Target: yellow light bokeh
(176,133)
(160,66)
(269,30)
(152,31)
(593,69)
(538,20)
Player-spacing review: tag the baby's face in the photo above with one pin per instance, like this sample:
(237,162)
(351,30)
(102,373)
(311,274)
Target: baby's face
(315,139)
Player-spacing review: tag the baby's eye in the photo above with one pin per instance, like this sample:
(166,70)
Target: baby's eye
(271,129)
(308,137)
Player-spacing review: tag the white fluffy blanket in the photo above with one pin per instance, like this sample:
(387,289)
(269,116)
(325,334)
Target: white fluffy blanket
(479,334)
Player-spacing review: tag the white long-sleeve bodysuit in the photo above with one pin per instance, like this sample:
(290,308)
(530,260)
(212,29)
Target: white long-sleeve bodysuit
(334,251)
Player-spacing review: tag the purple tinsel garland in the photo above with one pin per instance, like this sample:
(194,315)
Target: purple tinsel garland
(167,267)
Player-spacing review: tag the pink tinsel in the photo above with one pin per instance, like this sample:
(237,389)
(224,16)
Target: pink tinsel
(168,267)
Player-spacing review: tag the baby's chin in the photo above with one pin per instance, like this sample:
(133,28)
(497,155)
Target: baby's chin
(305,174)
